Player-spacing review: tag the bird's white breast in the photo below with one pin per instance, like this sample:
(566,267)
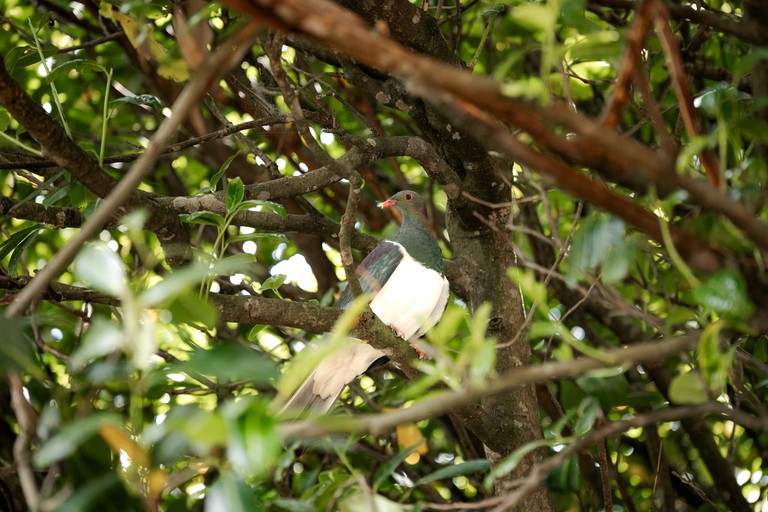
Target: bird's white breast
(412,299)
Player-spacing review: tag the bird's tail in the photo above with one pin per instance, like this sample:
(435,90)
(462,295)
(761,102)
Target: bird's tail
(305,401)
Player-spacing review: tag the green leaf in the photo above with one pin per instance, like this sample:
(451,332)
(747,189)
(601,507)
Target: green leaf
(23,56)
(18,252)
(593,241)
(499,9)
(232,494)
(17,239)
(261,205)
(609,390)
(509,463)
(714,364)
(59,194)
(587,412)
(190,308)
(465,468)
(621,258)
(252,442)
(386,470)
(363,500)
(207,218)
(179,281)
(223,169)
(5,119)
(235,193)
(66,442)
(91,207)
(100,268)
(566,477)
(90,491)
(688,388)
(102,338)
(17,350)
(141,99)
(252,335)
(273,282)
(81,65)
(230,362)
(725,293)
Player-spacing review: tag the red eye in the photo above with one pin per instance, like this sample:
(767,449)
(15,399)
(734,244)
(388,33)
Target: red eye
(408,197)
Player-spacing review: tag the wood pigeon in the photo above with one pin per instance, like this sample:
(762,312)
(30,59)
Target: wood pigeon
(406,278)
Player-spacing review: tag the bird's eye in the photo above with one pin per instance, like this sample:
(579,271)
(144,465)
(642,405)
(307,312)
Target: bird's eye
(408,197)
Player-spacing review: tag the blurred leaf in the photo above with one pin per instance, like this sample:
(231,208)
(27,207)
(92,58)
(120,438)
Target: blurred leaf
(232,494)
(595,238)
(5,119)
(230,362)
(714,364)
(509,463)
(100,268)
(293,505)
(17,239)
(102,338)
(469,467)
(688,388)
(208,218)
(273,282)
(23,56)
(261,205)
(18,252)
(498,9)
(81,65)
(252,335)
(17,350)
(389,467)
(587,412)
(89,492)
(621,258)
(121,442)
(566,477)
(66,442)
(178,282)
(190,308)
(363,500)
(141,99)
(725,293)
(59,194)
(252,443)
(609,390)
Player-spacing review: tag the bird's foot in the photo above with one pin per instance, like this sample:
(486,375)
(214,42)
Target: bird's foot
(394,328)
(422,354)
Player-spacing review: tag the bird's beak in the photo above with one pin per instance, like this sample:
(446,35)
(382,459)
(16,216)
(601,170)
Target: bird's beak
(388,203)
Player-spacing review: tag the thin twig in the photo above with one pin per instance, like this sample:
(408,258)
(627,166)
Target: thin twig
(21,454)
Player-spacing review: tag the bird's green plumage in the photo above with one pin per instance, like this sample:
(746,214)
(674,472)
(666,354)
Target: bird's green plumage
(414,234)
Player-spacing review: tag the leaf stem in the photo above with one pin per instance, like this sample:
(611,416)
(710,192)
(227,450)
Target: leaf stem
(55,93)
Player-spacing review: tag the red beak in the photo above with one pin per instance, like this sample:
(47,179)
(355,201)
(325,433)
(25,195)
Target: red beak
(388,203)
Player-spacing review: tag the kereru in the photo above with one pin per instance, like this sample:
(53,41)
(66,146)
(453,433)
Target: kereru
(410,292)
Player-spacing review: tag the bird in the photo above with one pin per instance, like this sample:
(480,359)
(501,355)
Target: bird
(406,277)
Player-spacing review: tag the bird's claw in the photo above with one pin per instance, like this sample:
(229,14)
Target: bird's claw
(422,354)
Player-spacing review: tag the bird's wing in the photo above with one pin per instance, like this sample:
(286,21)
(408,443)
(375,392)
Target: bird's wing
(375,270)
(323,386)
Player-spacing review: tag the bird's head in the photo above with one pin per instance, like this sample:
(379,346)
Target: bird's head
(409,204)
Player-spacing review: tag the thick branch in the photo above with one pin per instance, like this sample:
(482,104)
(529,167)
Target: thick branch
(435,405)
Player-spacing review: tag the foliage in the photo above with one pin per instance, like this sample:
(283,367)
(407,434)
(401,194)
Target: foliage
(593,199)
